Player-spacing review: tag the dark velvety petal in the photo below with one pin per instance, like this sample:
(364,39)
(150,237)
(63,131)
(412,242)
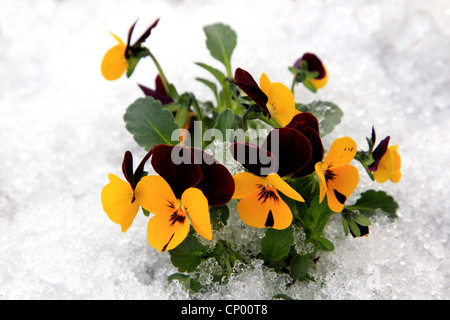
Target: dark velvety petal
(130,32)
(140,169)
(159,85)
(127,168)
(316,145)
(374,136)
(245,81)
(146,34)
(314,64)
(379,152)
(291,149)
(253,158)
(307,117)
(217,183)
(156,95)
(178,166)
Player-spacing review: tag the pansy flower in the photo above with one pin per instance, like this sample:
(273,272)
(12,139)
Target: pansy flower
(189,181)
(284,152)
(124,56)
(314,64)
(306,123)
(273,98)
(118,196)
(387,162)
(337,178)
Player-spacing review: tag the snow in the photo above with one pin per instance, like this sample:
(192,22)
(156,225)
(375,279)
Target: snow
(62,132)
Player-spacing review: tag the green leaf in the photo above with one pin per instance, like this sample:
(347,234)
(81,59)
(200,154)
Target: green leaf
(354,228)
(219,216)
(318,215)
(373,201)
(299,267)
(221,41)
(188,254)
(361,220)
(224,121)
(149,123)
(276,243)
(216,73)
(180,118)
(309,85)
(345,225)
(145,212)
(326,244)
(210,85)
(327,113)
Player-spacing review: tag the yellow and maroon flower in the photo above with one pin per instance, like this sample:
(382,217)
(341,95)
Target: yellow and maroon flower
(273,98)
(124,56)
(337,178)
(118,196)
(314,64)
(284,152)
(387,162)
(189,181)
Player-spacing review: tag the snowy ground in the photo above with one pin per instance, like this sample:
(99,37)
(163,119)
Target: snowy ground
(62,132)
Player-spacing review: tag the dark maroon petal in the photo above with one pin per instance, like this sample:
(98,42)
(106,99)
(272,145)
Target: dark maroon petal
(159,85)
(374,136)
(140,169)
(155,95)
(178,166)
(245,81)
(217,183)
(307,117)
(379,152)
(130,32)
(314,64)
(316,145)
(127,168)
(146,34)
(253,158)
(291,149)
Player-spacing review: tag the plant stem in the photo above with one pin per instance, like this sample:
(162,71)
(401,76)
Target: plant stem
(161,74)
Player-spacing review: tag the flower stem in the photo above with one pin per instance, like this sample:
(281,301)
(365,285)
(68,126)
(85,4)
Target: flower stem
(162,75)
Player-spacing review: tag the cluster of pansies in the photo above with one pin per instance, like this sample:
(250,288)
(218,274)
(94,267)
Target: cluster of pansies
(289,180)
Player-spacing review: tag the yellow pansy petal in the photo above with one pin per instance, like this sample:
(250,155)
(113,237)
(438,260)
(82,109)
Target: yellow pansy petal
(246,183)
(165,231)
(320,83)
(396,174)
(264,83)
(341,152)
(114,62)
(155,195)
(262,210)
(281,102)
(117,38)
(322,183)
(385,167)
(116,199)
(196,206)
(342,184)
(281,185)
